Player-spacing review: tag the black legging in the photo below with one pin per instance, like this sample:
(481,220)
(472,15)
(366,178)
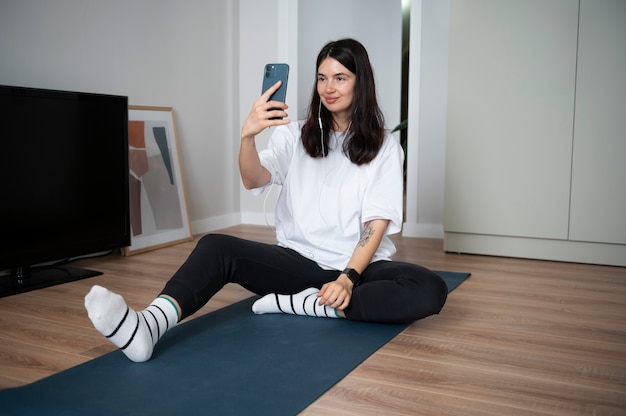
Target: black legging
(390,291)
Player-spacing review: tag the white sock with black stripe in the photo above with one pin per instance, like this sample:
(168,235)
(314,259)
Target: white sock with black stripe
(303,303)
(135,333)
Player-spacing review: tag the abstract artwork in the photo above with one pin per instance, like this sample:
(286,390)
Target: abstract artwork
(158,212)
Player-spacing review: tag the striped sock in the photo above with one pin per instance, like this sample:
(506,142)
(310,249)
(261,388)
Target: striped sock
(135,333)
(303,303)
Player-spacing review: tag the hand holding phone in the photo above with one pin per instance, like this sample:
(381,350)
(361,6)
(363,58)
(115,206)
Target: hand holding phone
(271,75)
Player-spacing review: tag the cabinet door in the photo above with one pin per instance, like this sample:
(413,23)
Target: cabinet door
(599,164)
(510,117)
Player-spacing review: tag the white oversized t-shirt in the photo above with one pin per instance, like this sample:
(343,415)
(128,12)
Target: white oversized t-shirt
(324,202)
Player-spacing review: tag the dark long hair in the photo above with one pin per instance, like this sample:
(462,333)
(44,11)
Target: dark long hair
(367,128)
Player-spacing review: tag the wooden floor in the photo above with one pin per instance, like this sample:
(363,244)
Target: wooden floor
(520,337)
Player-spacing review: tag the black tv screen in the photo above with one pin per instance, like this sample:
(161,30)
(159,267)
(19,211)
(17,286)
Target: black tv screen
(63,179)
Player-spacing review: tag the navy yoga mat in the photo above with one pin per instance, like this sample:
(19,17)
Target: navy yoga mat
(228,362)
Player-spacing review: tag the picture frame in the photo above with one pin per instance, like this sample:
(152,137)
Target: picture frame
(158,209)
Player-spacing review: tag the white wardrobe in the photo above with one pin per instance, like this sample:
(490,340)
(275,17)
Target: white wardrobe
(536,130)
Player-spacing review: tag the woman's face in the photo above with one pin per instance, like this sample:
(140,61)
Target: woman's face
(335,85)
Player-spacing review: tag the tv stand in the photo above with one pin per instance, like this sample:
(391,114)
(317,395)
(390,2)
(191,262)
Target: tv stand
(25,279)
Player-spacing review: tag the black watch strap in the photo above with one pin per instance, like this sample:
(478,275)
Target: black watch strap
(353,275)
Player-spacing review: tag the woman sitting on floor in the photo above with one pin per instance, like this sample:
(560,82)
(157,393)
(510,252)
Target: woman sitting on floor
(341,174)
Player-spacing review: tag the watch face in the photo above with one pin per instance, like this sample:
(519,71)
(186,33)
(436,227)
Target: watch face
(353,275)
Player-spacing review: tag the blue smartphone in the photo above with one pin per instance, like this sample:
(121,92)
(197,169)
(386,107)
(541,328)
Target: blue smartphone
(271,75)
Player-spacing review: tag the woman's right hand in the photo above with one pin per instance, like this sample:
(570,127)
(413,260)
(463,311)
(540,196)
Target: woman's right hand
(253,174)
(261,117)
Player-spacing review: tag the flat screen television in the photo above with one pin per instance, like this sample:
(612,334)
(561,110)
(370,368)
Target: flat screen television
(63,183)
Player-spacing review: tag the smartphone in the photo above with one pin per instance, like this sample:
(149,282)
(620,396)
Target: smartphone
(271,75)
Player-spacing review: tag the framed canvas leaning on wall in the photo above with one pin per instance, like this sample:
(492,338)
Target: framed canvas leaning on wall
(158,211)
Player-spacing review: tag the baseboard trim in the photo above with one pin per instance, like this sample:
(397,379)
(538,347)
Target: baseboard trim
(536,248)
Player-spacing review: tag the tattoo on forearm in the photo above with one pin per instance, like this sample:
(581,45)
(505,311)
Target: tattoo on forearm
(368,232)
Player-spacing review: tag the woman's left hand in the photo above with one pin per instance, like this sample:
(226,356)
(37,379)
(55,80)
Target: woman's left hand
(336,294)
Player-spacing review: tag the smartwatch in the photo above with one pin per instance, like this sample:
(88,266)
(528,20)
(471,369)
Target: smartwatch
(353,275)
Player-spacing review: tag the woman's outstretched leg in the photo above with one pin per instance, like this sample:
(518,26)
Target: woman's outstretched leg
(215,261)
(259,267)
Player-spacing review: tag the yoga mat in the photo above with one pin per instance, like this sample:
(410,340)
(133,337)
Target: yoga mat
(228,362)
